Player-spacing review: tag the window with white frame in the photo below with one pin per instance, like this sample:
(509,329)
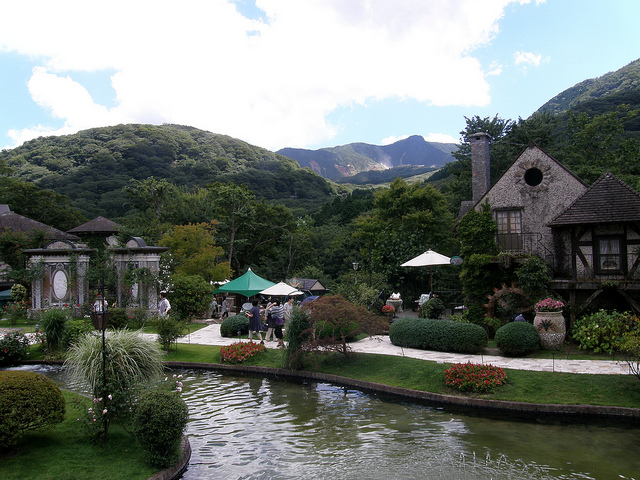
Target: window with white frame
(509,229)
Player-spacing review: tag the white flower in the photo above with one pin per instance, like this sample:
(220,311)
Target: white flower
(179,389)
(104,412)
(110,397)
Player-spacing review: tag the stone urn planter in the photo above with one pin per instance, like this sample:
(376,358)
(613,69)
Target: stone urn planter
(551,328)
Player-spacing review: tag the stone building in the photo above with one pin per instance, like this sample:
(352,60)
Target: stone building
(589,236)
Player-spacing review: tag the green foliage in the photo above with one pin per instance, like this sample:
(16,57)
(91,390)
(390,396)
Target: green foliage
(298,334)
(517,339)
(629,346)
(118,318)
(232,325)
(441,335)
(193,251)
(476,232)
(190,295)
(601,331)
(28,401)
(16,311)
(14,347)
(19,293)
(169,329)
(159,420)
(53,322)
(533,277)
(75,329)
(432,308)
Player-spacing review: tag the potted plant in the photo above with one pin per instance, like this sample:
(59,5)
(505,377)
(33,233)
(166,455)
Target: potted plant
(549,322)
(388,311)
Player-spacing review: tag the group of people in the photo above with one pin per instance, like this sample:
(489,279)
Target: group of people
(275,314)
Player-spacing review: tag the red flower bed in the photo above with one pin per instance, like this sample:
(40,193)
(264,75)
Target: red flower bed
(239,352)
(470,377)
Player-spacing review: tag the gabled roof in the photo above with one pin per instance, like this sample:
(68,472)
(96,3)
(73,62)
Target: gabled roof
(309,284)
(97,225)
(608,200)
(17,223)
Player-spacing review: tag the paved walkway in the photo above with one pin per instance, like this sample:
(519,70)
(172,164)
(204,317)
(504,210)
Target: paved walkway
(210,335)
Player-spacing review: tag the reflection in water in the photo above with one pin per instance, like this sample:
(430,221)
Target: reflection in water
(254,428)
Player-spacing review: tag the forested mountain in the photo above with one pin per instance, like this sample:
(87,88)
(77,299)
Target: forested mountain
(337,163)
(93,166)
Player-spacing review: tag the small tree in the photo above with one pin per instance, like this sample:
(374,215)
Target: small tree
(336,321)
(191,295)
(299,333)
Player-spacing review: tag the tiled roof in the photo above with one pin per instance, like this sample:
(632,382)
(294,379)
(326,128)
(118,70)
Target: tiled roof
(608,200)
(97,225)
(18,223)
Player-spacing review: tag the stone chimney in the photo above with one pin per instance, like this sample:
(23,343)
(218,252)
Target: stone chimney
(480,164)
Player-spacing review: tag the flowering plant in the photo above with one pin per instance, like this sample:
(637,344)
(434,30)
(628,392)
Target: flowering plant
(470,377)
(388,309)
(240,351)
(549,305)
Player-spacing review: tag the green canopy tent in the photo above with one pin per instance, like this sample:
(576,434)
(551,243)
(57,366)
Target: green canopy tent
(5,297)
(248,285)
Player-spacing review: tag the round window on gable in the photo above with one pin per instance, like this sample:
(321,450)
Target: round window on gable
(533,177)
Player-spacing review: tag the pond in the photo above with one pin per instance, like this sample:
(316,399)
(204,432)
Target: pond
(261,428)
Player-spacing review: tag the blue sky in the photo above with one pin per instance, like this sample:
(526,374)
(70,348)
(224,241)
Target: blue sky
(299,73)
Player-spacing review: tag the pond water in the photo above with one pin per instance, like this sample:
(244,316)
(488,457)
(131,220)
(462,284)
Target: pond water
(261,428)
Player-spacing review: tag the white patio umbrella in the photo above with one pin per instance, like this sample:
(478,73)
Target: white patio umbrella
(281,289)
(428,259)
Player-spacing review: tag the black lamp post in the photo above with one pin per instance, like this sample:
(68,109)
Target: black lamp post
(100,319)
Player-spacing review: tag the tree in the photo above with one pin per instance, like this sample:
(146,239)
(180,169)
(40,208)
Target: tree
(406,221)
(193,251)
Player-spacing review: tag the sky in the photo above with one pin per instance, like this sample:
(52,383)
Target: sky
(299,73)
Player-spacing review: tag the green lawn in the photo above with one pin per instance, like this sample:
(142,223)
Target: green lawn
(64,452)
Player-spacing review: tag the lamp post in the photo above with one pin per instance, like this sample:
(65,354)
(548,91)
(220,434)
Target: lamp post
(100,319)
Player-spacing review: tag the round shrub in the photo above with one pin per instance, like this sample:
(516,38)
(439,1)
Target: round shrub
(432,308)
(14,347)
(442,335)
(118,318)
(232,325)
(159,420)
(28,401)
(516,339)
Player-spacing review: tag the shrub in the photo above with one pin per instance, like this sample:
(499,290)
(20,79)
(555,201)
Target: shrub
(159,421)
(191,295)
(298,335)
(232,325)
(14,347)
(240,351)
(602,330)
(442,335)
(75,329)
(516,339)
(19,293)
(16,311)
(432,308)
(169,330)
(468,377)
(28,401)
(117,318)
(53,324)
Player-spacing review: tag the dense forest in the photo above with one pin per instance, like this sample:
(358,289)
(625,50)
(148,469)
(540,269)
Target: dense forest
(261,210)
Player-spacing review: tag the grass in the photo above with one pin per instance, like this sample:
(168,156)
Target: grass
(65,452)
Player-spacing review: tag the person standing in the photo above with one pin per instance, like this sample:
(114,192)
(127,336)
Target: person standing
(254,320)
(164,306)
(225,307)
(277,313)
(288,308)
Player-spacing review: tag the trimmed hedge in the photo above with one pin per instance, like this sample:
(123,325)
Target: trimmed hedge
(441,335)
(28,401)
(516,339)
(232,325)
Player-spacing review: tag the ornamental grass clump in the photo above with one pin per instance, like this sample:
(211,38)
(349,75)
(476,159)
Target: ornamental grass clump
(469,377)
(240,351)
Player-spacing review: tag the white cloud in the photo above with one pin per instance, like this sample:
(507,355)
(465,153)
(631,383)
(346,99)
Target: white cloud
(527,59)
(392,139)
(270,82)
(441,138)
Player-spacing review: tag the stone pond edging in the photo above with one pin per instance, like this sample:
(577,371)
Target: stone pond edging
(537,411)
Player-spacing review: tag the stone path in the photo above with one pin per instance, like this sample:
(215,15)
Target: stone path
(210,335)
